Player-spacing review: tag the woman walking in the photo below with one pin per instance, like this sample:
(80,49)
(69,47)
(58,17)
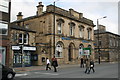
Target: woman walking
(54,63)
(91,66)
(87,66)
(48,62)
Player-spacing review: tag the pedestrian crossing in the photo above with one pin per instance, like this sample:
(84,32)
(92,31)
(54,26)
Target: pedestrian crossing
(26,74)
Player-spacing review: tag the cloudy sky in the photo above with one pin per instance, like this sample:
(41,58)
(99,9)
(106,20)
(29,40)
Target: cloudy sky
(91,9)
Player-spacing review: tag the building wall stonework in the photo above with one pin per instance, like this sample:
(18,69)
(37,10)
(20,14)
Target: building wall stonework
(44,26)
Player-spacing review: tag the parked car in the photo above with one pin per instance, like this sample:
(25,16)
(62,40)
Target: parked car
(7,73)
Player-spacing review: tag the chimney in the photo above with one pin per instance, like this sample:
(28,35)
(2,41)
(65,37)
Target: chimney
(40,8)
(19,16)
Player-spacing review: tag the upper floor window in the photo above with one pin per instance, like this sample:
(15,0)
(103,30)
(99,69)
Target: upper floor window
(72,26)
(3,28)
(60,22)
(81,31)
(59,28)
(23,38)
(89,33)
(3,31)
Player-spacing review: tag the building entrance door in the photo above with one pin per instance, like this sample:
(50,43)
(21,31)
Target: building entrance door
(70,52)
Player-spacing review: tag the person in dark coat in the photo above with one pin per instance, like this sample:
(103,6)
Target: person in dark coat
(91,66)
(54,63)
(82,63)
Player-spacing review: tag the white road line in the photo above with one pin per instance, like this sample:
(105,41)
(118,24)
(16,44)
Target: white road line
(46,73)
(25,74)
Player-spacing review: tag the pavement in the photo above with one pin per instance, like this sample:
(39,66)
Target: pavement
(35,68)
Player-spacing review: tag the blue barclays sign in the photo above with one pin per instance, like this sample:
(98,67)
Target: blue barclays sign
(65,38)
(84,41)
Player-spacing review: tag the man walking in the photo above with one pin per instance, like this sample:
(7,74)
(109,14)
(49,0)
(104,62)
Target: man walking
(48,62)
(54,63)
(82,63)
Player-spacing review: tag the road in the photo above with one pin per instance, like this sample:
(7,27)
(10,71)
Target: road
(105,70)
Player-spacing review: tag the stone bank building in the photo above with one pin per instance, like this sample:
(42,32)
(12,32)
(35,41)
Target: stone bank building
(67,35)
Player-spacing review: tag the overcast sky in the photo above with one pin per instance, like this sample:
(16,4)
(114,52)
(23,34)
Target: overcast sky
(91,9)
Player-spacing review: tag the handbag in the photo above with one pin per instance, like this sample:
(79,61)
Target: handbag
(91,65)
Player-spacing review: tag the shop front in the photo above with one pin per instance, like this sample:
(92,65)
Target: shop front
(22,55)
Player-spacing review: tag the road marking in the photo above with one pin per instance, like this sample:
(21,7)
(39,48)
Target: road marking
(46,73)
(25,74)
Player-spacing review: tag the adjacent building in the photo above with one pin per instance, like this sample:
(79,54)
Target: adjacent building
(4,27)
(65,34)
(23,46)
(109,45)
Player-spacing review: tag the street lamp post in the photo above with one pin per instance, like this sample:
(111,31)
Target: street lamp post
(98,38)
(54,27)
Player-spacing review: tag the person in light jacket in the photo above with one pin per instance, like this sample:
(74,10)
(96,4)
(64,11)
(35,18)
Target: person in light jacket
(48,62)
(87,66)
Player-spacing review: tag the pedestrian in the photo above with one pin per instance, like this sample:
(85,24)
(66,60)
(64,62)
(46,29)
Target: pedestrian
(87,66)
(82,63)
(54,63)
(48,63)
(91,66)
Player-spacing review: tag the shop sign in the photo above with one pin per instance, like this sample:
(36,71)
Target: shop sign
(65,38)
(87,51)
(84,41)
(29,48)
(15,47)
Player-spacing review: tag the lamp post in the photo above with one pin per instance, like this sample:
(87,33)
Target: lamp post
(98,37)
(54,27)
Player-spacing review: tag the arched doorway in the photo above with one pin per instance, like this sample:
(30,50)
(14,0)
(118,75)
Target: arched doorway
(70,52)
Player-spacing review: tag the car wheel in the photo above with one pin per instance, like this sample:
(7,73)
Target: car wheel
(10,76)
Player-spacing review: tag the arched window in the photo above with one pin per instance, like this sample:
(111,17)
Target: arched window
(60,22)
(59,49)
(89,33)
(72,26)
(81,31)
